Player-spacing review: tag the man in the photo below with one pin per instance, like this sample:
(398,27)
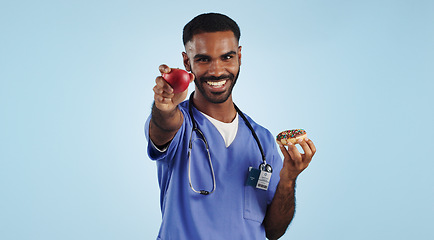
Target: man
(205,193)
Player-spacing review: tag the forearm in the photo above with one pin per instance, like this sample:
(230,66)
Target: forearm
(281,210)
(164,125)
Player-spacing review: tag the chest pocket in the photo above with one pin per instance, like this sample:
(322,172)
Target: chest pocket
(255,203)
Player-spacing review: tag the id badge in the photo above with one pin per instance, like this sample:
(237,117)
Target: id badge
(258,178)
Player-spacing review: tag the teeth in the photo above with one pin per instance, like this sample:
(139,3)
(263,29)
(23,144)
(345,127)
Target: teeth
(217,84)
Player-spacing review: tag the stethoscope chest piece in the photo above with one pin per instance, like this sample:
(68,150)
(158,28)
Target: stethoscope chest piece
(265,167)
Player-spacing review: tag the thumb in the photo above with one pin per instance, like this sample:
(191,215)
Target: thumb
(164,68)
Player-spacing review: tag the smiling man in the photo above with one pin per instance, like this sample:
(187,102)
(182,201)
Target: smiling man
(216,59)
(220,173)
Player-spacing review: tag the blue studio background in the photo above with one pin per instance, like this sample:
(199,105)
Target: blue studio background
(76,88)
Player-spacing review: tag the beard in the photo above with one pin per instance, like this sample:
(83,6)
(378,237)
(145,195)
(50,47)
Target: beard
(215,96)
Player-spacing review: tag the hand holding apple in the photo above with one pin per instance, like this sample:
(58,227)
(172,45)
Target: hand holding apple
(168,95)
(178,79)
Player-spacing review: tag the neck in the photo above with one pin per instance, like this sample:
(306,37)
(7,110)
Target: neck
(224,112)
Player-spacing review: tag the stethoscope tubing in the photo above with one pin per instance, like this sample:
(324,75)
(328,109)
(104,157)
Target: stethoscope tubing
(190,146)
(263,166)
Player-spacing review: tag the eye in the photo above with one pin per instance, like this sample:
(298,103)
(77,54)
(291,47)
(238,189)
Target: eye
(227,57)
(202,60)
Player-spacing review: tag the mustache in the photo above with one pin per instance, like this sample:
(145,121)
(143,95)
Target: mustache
(215,78)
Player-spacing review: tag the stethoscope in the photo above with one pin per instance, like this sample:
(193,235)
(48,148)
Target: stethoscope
(263,166)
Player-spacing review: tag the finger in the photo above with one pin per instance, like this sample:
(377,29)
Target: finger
(284,151)
(163,92)
(307,151)
(159,99)
(162,99)
(158,92)
(163,85)
(312,146)
(294,153)
(164,68)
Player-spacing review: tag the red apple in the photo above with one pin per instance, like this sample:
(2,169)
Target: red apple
(178,79)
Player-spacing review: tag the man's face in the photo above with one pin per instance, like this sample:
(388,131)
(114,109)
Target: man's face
(215,59)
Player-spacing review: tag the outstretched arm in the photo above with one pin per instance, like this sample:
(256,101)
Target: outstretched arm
(166,117)
(281,210)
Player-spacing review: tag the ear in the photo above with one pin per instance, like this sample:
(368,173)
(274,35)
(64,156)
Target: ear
(239,55)
(186,61)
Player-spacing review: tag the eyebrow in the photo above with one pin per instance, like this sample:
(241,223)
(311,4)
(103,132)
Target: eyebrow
(230,53)
(207,56)
(201,56)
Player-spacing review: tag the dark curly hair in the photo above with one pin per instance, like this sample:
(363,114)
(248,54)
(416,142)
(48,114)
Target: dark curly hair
(210,22)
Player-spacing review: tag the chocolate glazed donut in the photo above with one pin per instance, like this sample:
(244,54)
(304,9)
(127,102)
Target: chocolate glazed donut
(290,136)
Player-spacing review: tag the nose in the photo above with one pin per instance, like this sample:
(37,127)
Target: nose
(216,68)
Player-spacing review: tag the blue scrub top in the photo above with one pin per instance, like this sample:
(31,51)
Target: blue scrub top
(234,210)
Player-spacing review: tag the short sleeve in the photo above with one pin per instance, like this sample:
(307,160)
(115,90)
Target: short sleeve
(153,153)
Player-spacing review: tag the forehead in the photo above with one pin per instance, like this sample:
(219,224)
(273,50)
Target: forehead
(212,43)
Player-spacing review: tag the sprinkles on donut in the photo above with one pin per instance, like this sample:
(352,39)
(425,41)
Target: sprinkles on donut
(290,136)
